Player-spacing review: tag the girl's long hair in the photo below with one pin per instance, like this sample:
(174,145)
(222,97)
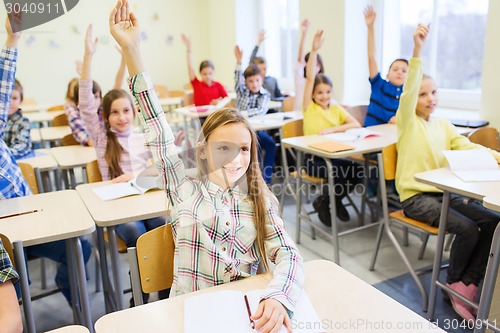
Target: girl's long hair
(113,148)
(255,186)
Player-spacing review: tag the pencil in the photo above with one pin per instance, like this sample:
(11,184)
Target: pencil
(23,213)
(252,324)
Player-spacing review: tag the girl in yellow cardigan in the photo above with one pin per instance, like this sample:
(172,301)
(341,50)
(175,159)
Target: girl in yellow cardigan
(421,140)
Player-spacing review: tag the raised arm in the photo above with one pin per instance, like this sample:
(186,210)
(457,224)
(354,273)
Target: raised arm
(311,65)
(304,28)
(189,58)
(260,39)
(120,74)
(239,81)
(370,16)
(8,59)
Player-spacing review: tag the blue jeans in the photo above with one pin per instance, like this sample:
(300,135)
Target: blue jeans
(57,251)
(131,231)
(267,144)
(472,224)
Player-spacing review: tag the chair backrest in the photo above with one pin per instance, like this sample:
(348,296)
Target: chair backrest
(8,247)
(188,99)
(288,104)
(176,93)
(486,136)
(69,140)
(359,112)
(161,90)
(390,157)
(56,108)
(60,120)
(155,259)
(29,174)
(93,173)
(293,128)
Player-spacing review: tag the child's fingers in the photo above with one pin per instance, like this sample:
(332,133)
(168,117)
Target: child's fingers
(258,313)
(125,12)
(287,323)
(134,20)
(118,15)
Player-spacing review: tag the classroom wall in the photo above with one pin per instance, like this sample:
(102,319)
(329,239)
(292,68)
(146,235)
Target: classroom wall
(490,106)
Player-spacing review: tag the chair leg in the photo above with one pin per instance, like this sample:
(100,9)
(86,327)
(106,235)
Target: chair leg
(43,273)
(406,242)
(377,246)
(425,238)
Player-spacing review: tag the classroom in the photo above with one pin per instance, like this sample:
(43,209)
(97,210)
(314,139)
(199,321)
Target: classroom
(319,165)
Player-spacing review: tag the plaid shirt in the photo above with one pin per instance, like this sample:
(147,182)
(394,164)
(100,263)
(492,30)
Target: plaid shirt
(254,104)
(17,134)
(214,228)
(76,124)
(12,182)
(7,272)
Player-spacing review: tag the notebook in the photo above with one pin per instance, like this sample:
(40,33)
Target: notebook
(331,146)
(226,312)
(353,134)
(476,165)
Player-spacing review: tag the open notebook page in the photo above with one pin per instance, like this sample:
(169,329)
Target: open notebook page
(473,165)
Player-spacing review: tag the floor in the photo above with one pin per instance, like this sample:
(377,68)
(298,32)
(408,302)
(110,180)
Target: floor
(355,254)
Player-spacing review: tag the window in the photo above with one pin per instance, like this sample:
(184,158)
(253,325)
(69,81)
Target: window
(453,53)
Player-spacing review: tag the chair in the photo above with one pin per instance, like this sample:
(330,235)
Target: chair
(188,99)
(176,93)
(161,90)
(56,108)
(152,262)
(69,140)
(486,136)
(359,112)
(387,171)
(60,120)
(288,104)
(94,176)
(32,176)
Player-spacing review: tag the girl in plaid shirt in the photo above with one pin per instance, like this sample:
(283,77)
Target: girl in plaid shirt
(225,221)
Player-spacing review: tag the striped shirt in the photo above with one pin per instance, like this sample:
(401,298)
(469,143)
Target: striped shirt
(17,134)
(214,228)
(12,182)
(76,124)
(384,101)
(134,157)
(7,272)
(254,103)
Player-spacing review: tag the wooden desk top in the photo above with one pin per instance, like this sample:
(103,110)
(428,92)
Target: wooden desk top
(40,117)
(44,162)
(54,133)
(492,202)
(27,108)
(69,157)
(273,120)
(63,215)
(445,180)
(70,329)
(35,135)
(374,144)
(344,303)
(127,209)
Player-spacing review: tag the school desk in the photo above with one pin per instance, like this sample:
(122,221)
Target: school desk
(446,181)
(35,135)
(271,121)
(43,117)
(170,103)
(344,303)
(28,108)
(59,215)
(53,134)
(108,214)
(70,329)
(70,157)
(45,162)
(388,135)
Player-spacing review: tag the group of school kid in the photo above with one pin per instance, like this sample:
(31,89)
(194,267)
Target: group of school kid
(230,174)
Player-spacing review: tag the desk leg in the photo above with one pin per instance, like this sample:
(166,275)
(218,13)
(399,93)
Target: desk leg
(333,210)
(298,193)
(109,300)
(75,302)
(65,178)
(438,256)
(57,175)
(73,178)
(82,283)
(115,264)
(25,288)
(489,282)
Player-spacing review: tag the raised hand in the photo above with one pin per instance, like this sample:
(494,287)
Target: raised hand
(370,15)
(12,37)
(262,36)
(90,43)
(419,37)
(318,40)
(304,26)
(238,53)
(124,26)
(186,41)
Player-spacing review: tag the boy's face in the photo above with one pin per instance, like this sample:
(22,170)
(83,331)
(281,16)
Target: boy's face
(15,101)
(253,83)
(427,98)
(397,73)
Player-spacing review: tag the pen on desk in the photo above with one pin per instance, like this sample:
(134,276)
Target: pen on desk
(252,324)
(19,214)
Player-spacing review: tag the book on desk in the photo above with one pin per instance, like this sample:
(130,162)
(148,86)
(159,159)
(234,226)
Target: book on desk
(226,312)
(476,165)
(331,146)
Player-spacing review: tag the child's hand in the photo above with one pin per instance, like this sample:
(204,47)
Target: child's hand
(420,35)
(318,40)
(90,43)
(392,120)
(238,53)
(262,36)
(270,315)
(370,15)
(327,131)
(124,26)
(304,26)
(187,42)
(13,37)
(123,178)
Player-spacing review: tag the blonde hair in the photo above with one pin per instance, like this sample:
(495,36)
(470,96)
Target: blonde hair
(257,190)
